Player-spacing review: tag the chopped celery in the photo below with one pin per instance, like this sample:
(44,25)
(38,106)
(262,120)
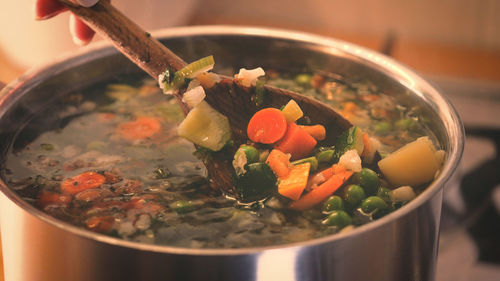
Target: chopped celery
(206,127)
(312,160)
(192,70)
(350,139)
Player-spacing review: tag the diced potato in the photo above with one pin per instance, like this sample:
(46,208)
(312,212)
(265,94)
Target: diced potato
(292,111)
(206,127)
(413,164)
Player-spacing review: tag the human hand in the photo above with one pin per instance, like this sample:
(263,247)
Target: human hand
(81,33)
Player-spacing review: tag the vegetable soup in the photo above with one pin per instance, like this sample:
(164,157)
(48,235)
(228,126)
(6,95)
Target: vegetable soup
(110,159)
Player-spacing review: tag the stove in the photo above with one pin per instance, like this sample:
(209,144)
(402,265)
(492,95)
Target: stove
(470,224)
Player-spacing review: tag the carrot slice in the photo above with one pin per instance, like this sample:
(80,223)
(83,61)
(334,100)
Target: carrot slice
(297,142)
(322,192)
(101,223)
(279,162)
(268,125)
(318,132)
(319,178)
(48,198)
(293,185)
(87,180)
(142,128)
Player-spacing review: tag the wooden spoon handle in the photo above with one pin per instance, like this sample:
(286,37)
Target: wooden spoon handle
(130,39)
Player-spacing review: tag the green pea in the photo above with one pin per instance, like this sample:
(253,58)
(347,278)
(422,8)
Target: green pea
(312,160)
(251,153)
(405,124)
(383,193)
(333,203)
(368,179)
(303,79)
(325,156)
(353,195)
(382,127)
(373,204)
(339,219)
(182,206)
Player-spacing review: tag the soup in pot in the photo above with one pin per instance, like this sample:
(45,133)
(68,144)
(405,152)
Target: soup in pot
(109,159)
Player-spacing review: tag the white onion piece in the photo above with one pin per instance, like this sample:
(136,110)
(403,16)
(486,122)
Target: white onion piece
(402,194)
(249,77)
(351,160)
(194,96)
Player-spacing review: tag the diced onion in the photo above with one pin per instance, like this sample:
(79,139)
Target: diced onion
(370,150)
(351,160)
(402,194)
(249,77)
(239,162)
(194,96)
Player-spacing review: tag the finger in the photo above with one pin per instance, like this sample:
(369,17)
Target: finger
(81,33)
(45,9)
(87,3)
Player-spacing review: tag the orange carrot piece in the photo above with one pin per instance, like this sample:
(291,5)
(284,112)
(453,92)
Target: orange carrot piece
(321,192)
(318,132)
(350,107)
(293,185)
(268,125)
(319,178)
(142,128)
(338,169)
(279,162)
(48,198)
(366,144)
(101,223)
(297,142)
(81,182)
(106,116)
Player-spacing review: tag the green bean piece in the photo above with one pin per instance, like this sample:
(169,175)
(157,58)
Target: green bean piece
(182,206)
(368,179)
(373,204)
(382,127)
(338,218)
(303,79)
(325,156)
(312,160)
(353,195)
(333,203)
(251,153)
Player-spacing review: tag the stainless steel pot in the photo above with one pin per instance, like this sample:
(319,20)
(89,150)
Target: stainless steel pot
(400,246)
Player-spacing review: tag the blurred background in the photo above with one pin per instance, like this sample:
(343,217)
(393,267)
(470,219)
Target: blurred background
(453,43)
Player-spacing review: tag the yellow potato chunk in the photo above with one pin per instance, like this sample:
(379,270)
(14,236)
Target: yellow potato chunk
(413,164)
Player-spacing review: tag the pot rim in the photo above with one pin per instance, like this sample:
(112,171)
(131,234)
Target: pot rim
(386,65)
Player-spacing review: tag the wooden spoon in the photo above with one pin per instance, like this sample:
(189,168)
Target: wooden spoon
(228,96)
